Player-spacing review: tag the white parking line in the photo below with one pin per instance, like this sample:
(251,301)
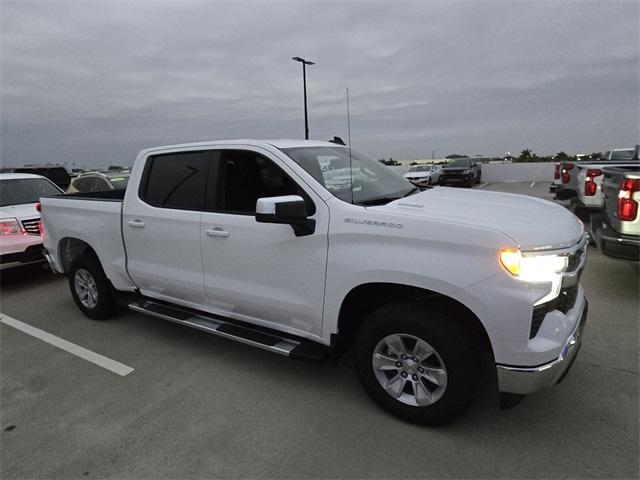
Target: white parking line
(100,360)
(532,184)
(483,185)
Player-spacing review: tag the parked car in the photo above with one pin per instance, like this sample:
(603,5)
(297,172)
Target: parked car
(20,236)
(581,180)
(616,231)
(100,181)
(465,171)
(424,174)
(243,239)
(57,174)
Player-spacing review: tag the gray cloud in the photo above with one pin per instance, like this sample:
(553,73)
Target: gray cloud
(94,82)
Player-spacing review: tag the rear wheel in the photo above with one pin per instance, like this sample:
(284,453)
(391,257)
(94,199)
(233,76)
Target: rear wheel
(416,364)
(90,287)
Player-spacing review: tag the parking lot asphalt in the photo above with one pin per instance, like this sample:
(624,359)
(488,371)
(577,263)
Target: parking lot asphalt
(199,406)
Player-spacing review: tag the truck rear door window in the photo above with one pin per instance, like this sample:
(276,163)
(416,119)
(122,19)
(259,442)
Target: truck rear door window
(176,180)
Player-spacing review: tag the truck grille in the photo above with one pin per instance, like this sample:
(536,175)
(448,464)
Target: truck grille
(569,292)
(32,226)
(563,302)
(575,258)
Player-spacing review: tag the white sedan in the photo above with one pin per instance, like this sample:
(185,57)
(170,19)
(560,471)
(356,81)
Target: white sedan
(20,234)
(423,174)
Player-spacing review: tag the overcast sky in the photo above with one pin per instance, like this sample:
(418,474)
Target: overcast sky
(94,82)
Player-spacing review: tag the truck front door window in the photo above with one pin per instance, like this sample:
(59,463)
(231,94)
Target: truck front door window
(249,176)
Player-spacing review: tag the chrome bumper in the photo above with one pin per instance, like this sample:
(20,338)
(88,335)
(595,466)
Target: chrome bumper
(526,380)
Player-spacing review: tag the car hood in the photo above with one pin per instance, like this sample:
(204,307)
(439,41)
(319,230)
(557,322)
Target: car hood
(531,222)
(27,210)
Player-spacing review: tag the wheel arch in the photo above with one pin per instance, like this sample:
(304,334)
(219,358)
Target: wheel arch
(69,248)
(363,299)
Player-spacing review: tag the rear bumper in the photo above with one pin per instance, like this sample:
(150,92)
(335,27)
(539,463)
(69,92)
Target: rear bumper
(51,262)
(32,254)
(614,244)
(582,210)
(526,380)
(564,193)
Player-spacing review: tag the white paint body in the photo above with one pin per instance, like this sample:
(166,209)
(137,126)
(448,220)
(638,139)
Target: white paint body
(17,244)
(445,240)
(429,177)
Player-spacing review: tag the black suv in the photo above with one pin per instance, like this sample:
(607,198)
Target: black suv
(461,171)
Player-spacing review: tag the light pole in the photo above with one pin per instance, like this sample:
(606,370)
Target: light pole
(304,83)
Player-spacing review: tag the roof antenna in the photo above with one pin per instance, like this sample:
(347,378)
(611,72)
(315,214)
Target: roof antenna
(349,140)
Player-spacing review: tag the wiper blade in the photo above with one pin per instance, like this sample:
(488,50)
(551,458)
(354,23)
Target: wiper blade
(385,200)
(378,201)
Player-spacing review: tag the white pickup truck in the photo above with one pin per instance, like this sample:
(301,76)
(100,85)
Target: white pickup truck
(581,180)
(243,240)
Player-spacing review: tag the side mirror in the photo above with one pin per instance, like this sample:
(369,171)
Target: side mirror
(287,209)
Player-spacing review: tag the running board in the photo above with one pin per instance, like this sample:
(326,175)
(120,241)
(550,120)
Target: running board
(271,341)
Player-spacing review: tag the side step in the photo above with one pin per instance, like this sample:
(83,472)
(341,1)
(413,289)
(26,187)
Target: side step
(256,337)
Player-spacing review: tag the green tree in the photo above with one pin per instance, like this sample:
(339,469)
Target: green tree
(561,156)
(525,156)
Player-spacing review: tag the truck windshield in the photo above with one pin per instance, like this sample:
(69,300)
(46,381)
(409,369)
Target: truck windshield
(18,191)
(367,182)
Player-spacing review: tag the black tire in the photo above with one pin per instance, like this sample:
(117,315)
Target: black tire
(105,304)
(448,339)
(591,231)
(470,183)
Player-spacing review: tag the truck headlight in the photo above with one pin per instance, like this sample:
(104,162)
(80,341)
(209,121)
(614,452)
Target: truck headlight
(10,226)
(536,268)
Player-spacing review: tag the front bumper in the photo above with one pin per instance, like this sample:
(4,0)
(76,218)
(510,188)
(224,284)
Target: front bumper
(526,380)
(455,178)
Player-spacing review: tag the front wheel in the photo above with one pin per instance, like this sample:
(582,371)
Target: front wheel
(416,364)
(90,287)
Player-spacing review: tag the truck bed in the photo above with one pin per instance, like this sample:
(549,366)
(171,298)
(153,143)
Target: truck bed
(107,195)
(87,218)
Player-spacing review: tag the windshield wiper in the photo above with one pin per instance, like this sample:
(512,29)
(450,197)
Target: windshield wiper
(385,200)
(411,192)
(378,201)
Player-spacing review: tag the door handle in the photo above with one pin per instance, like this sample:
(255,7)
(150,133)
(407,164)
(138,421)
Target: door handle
(136,223)
(217,232)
